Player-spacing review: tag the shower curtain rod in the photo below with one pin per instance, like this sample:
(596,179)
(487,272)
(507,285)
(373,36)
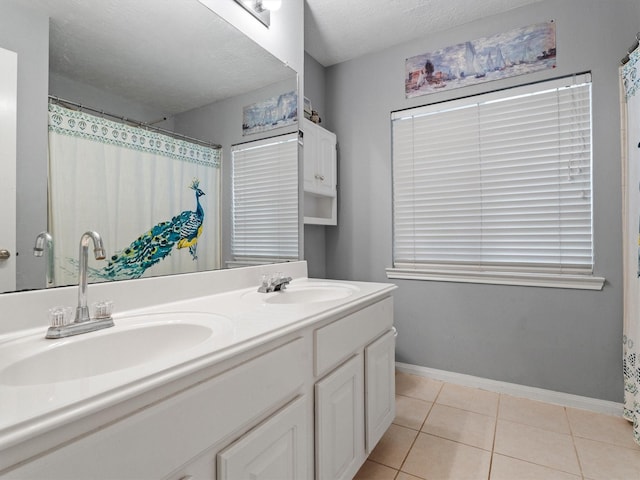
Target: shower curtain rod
(135,123)
(625,59)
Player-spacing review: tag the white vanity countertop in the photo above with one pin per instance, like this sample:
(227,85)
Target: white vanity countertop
(249,319)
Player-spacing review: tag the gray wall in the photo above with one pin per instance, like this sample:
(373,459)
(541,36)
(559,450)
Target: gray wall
(314,83)
(314,235)
(69,89)
(27,33)
(558,339)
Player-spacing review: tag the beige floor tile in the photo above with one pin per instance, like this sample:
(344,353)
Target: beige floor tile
(406,476)
(471,399)
(603,428)
(531,439)
(393,446)
(535,445)
(603,461)
(461,426)
(417,387)
(507,468)
(374,471)
(437,458)
(411,412)
(537,414)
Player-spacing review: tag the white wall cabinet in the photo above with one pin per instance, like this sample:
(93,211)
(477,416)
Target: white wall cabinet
(320,174)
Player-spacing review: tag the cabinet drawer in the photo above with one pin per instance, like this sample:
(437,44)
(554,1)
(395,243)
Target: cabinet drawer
(340,339)
(181,426)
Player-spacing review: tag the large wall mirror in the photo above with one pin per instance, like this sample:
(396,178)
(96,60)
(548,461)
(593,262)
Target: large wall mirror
(171,65)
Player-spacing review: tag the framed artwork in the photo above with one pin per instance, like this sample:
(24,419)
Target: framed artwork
(275,112)
(516,52)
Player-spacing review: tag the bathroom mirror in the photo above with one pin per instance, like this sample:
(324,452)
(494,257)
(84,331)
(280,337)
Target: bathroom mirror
(161,62)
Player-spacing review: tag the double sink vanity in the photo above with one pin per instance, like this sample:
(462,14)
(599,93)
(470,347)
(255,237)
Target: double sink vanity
(203,376)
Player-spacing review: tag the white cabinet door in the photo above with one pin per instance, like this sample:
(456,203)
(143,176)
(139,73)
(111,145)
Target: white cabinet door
(325,173)
(340,422)
(310,155)
(319,160)
(276,450)
(380,387)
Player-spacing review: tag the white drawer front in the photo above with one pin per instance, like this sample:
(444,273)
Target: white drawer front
(340,339)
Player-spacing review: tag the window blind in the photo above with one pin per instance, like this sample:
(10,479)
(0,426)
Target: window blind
(265,200)
(497,181)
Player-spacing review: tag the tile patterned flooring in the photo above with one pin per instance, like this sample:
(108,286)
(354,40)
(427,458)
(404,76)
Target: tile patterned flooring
(446,431)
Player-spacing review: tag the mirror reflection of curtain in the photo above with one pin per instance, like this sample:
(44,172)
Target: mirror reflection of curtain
(153,199)
(631,225)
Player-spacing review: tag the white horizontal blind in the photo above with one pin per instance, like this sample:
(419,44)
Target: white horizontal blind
(498,181)
(265,200)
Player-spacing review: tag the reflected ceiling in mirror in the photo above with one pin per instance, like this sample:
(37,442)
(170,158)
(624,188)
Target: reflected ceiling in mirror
(172,55)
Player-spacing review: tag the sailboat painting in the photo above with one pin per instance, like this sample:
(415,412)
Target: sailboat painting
(275,112)
(516,52)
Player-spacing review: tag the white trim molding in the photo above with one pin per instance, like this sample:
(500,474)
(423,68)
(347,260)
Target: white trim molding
(536,279)
(533,393)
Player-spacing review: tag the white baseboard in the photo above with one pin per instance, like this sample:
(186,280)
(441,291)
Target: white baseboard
(549,396)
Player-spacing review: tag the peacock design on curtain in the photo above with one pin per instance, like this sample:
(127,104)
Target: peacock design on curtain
(182,231)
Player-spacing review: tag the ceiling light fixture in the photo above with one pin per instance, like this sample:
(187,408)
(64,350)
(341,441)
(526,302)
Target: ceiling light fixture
(261,9)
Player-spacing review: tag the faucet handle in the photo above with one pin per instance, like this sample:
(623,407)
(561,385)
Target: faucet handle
(60,316)
(102,309)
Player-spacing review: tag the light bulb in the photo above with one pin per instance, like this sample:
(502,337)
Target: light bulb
(272,5)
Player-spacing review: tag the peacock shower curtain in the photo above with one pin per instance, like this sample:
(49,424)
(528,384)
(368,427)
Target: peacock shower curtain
(631,220)
(153,198)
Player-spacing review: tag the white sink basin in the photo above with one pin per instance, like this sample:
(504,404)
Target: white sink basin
(305,293)
(133,341)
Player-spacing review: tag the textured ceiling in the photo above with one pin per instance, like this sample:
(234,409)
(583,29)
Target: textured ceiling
(173,55)
(176,55)
(340,30)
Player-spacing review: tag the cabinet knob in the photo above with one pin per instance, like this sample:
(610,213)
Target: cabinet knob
(319,177)
(4,254)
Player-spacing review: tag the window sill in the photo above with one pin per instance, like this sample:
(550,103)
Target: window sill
(539,279)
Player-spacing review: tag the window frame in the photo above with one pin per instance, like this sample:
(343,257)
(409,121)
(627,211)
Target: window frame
(243,256)
(501,274)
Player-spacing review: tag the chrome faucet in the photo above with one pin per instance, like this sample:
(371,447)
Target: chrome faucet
(83,322)
(44,239)
(275,283)
(82,312)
